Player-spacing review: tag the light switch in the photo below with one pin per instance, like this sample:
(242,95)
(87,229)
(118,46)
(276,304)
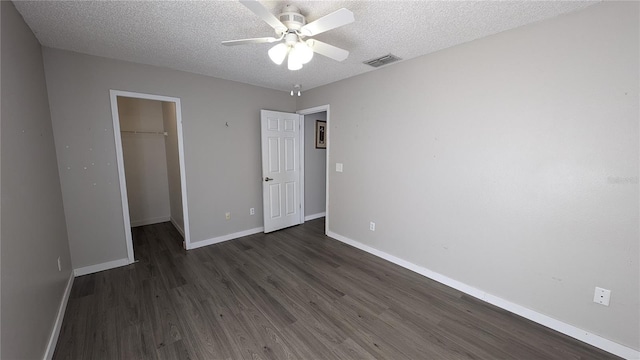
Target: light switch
(338,167)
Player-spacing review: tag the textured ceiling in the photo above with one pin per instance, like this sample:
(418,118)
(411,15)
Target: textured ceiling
(187,35)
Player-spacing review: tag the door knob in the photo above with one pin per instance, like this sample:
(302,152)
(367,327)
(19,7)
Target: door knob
(268,179)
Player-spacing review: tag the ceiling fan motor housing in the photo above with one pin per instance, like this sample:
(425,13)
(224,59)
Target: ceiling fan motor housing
(292,18)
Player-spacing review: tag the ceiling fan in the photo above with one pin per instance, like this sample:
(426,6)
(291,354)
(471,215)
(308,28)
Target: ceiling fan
(292,29)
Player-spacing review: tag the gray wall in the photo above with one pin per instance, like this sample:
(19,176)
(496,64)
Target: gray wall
(145,160)
(222,163)
(33,226)
(508,163)
(315,169)
(173,163)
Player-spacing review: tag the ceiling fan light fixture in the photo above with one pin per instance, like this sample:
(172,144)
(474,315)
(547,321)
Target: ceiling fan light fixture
(303,51)
(294,62)
(278,53)
(297,87)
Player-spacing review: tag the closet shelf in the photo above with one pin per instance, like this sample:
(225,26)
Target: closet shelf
(146,132)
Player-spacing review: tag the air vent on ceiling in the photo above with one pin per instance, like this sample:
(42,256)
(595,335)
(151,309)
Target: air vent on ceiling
(382,60)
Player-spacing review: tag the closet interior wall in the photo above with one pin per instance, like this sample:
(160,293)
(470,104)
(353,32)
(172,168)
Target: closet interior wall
(150,152)
(315,166)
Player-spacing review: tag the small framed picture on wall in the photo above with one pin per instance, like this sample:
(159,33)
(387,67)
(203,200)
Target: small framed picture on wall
(321,134)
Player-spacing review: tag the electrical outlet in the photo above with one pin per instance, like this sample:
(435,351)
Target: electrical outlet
(227,216)
(602,296)
(59,264)
(372,226)
(252,211)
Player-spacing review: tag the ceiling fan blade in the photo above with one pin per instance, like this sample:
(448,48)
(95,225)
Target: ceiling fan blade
(335,19)
(264,14)
(327,50)
(250,41)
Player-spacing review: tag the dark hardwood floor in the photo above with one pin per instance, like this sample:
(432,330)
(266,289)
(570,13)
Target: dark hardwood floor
(292,294)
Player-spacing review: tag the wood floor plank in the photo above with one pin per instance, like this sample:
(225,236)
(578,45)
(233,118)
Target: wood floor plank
(269,337)
(305,342)
(291,294)
(299,304)
(161,313)
(100,335)
(354,351)
(71,342)
(310,338)
(198,331)
(174,351)
(130,300)
(135,342)
(239,342)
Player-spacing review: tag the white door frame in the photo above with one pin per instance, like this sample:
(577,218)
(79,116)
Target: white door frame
(304,112)
(120,160)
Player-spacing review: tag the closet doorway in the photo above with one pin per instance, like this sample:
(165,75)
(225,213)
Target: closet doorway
(315,164)
(150,155)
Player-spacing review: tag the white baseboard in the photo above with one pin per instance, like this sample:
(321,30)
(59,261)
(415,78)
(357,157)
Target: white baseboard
(100,267)
(219,239)
(557,325)
(55,332)
(175,224)
(315,216)
(151,221)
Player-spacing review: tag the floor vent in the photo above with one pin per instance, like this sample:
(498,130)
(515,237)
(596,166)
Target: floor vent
(382,60)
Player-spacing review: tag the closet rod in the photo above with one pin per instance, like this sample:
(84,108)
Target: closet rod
(146,132)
